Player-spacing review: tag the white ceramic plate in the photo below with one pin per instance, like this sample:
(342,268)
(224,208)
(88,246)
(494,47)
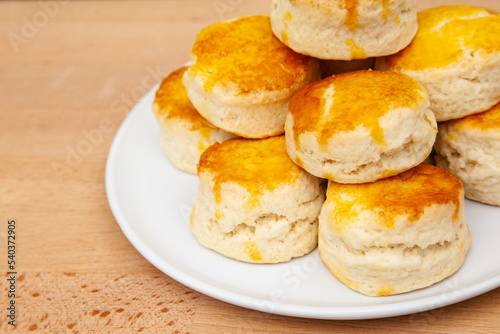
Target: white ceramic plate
(151,201)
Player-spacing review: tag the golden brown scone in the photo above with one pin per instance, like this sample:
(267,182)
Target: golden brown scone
(254,204)
(456,57)
(470,149)
(347,29)
(360,126)
(184,133)
(243,77)
(397,234)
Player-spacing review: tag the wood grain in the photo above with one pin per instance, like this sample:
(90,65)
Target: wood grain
(457,318)
(65,88)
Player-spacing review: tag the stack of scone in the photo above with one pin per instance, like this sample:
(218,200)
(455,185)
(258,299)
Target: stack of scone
(387,222)
(254,204)
(390,223)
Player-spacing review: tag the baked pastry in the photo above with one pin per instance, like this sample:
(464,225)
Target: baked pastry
(254,204)
(344,30)
(184,133)
(456,57)
(330,67)
(397,234)
(470,149)
(360,126)
(243,77)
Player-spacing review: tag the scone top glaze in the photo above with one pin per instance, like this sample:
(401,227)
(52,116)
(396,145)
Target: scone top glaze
(407,194)
(447,35)
(486,121)
(244,57)
(346,101)
(171,102)
(257,165)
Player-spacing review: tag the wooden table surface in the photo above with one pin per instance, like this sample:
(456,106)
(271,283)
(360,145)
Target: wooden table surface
(70,71)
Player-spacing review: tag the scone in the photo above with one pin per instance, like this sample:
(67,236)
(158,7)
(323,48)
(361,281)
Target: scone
(456,57)
(394,235)
(470,149)
(360,126)
(184,133)
(243,77)
(254,204)
(344,30)
(330,67)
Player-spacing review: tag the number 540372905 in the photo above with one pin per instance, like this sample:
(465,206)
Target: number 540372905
(11,244)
